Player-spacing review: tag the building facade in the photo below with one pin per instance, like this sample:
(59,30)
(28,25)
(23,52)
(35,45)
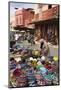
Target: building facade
(24,16)
(47,23)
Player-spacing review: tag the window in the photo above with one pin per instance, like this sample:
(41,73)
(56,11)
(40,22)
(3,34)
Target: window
(49,6)
(20,20)
(16,20)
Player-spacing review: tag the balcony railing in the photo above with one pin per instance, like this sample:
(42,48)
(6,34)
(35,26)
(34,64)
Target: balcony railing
(47,14)
(50,13)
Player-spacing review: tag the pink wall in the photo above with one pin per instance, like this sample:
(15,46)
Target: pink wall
(23,17)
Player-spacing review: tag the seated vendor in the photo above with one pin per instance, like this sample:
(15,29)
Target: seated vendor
(44,47)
